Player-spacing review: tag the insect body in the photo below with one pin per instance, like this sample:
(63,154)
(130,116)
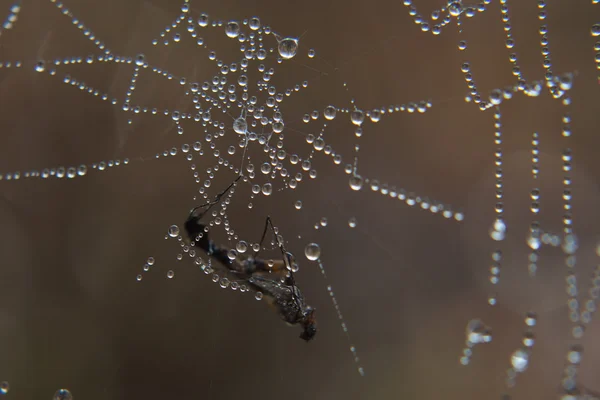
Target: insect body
(274,279)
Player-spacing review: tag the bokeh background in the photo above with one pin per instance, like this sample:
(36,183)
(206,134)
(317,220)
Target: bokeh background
(72,314)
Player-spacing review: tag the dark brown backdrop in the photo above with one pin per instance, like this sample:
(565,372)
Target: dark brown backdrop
(72,314)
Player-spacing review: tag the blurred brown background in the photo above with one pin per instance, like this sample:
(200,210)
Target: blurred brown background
(72,314)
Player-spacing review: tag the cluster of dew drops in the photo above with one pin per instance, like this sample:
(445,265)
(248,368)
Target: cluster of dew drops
(60,394)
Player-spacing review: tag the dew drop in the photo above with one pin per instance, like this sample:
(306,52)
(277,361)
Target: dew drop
(267,189)
(329,113)
(240,126)
(352,222)
(312,251)
(4,387)
(356,182)
(258,296)
(287,48)
(232,30)
(62,394)
(173,231)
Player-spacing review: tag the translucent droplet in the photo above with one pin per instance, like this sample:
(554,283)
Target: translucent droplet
(329,113)
(520,360)
(4,387)
(232,254)
(173,231)
(139,60)
(170,274)
(232,29)
(352,222)
(356,182)
(298,204)
(240,126)
(258,296)
(287,48)
(254,23)
(477,332)
(357,117)
(596,30)
(40,66)
(267,189)
(62,394)
(241,247)
(150,261)
(312,251)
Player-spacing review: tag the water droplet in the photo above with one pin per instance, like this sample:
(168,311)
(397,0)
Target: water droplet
(232,29)
(287,48)
(356,182)
(258,296)
(352,222)
(140,59)
(62,394)
(254,23)
(40,66)
(329,113)
(170,274)
(173,231)
(596,30)
(267,189)
(357,117)
(240,126)
(520,360)
(298,205)
(150,261)
(241,247)
(4,387)
(312,251)
(232,254)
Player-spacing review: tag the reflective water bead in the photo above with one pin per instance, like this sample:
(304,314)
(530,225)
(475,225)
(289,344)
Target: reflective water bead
(329,112)
(312,251)
(356,182)
(267,189)
(62,394)
(352,222)
(232,30)
(357,117)
(520,360)
(173,231)
(287,48)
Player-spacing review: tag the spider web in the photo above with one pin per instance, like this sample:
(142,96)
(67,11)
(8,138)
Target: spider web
(114,84)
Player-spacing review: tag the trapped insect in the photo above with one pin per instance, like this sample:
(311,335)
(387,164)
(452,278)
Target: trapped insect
(274,279)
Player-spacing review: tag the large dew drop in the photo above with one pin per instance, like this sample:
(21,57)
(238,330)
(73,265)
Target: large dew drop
(287,48)
(356,182)
(240,126)
(232,29)
(173,231)
(357,117)
(62,394)
(312,251)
